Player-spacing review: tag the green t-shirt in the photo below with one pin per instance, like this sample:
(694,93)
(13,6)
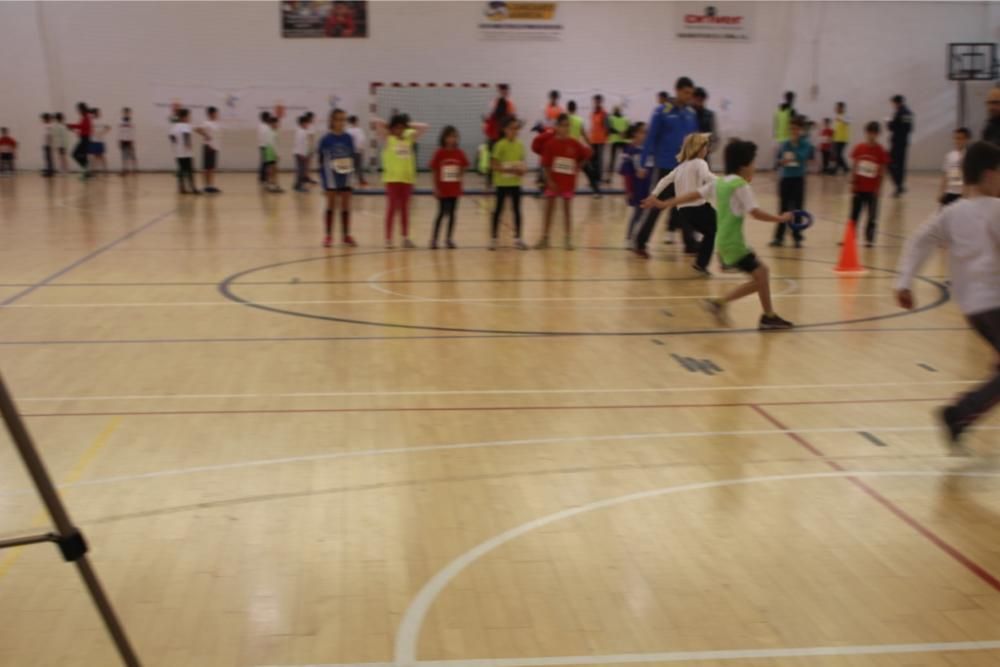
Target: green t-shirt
(782,123)
(575,127)
(398,164)
(619,126)
(508,153)
(731,192)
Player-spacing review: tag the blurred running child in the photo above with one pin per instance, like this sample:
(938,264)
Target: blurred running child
(637,177)
(870,160)
(841,137)
(61,142)
(98,142)
(951,181)
(826,145)
(562,158)
(126,143)
(83,130)
(734,200)
(48,143)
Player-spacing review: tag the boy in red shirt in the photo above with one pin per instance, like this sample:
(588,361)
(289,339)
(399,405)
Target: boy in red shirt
(869,161)
(8,149)
(562,157)
(448,165)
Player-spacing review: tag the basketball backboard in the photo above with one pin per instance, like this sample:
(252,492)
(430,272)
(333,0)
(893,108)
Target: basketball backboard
(970,61)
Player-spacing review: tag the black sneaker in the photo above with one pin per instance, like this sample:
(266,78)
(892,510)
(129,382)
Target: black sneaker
(776,244)
(702,270)
(773,322)
(953,432)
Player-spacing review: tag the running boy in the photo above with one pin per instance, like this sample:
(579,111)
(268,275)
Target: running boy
(212,134)
(8,151)
(794,156)
(448,164)
(561,161)
(126,143)
(734,200)
(951,182)
(970,229)
(870,160)
(508,167)
(183,145)
(336,164)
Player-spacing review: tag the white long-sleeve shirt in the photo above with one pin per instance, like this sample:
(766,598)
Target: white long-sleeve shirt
(970,228)
(687,177)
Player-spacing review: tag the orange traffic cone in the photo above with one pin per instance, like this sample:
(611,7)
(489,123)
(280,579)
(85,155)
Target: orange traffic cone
(849,253)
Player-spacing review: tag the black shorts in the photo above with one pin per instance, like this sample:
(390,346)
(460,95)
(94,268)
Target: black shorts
(748,263)
(209,156)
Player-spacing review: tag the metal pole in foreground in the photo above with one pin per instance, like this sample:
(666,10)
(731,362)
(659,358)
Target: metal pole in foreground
(67,536)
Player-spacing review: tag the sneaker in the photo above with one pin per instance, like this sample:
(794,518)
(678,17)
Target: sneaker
(300,188)
(543,244)
(641,252)
(798,244)
(702,270)
(451,245)
(389,245)
(717,309)
(493,244)
(597,195)
(775,244)
(520,244)
(869,244)
(433,245)
(669,240)
(274,189)
(407,243)
(773,322)
(568,244)
(349,241)
(327,241)
(953,432)
(196,192)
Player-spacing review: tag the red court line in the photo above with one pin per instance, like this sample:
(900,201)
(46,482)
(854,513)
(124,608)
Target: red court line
(489,408)
(982,573)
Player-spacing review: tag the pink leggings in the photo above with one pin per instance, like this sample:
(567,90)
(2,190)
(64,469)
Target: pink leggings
(399,200)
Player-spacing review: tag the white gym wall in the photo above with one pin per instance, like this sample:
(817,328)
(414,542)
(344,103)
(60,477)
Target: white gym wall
(114,54)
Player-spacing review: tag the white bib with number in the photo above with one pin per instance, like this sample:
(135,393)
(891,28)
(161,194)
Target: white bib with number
(955,179)
(867,169)
(564,165)
(512,166)
(790,160)
(342,165)
(451,173)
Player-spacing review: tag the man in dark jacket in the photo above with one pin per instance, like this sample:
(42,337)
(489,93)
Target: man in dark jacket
(900,128)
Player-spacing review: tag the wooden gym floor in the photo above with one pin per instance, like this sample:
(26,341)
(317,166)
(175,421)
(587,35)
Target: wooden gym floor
(283,455)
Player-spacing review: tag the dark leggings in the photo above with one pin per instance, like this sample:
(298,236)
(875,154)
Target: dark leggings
(702,220)
(838,158)
(446,207)
(185,174)
(503,192)
(301,170)
(792,194)
(867,200)
(49,169)
(986,396)
(615,149)
(593,170)
(81,152)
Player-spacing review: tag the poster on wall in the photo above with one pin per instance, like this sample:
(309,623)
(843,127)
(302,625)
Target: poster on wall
(519,21)
(311,18)
(719,22)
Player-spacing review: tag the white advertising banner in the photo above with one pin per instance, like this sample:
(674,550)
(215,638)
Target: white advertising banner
(719,22)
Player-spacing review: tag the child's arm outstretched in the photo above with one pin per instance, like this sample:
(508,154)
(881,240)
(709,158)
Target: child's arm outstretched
(918,248)
(687,198)
(764,216)
(663,184)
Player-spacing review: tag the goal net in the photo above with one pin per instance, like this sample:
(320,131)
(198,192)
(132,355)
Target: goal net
(462,105)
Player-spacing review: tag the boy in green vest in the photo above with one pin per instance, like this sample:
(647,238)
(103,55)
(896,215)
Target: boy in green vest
(619,128)
(733,201)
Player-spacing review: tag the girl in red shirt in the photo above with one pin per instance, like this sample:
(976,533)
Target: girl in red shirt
(448,164)
(562,157)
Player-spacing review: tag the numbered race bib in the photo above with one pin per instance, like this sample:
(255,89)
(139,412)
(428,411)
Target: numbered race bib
(564,165)
(790,160)
(342,165)
(512,165)
(955,178)
(451,173)
(867,169)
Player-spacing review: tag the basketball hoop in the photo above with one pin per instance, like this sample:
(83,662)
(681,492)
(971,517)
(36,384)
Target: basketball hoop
(971,61)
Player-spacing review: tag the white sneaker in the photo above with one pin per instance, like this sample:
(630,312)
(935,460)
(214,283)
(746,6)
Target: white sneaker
(718,310)
(520,245)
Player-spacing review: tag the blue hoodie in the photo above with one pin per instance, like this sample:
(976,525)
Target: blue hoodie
(668,127)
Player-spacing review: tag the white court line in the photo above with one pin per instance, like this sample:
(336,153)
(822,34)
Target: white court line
(411,300)
(494,392)
(692,656)
(408,635)
(368,453)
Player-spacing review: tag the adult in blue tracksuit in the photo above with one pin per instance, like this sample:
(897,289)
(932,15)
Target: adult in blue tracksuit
(671,122)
